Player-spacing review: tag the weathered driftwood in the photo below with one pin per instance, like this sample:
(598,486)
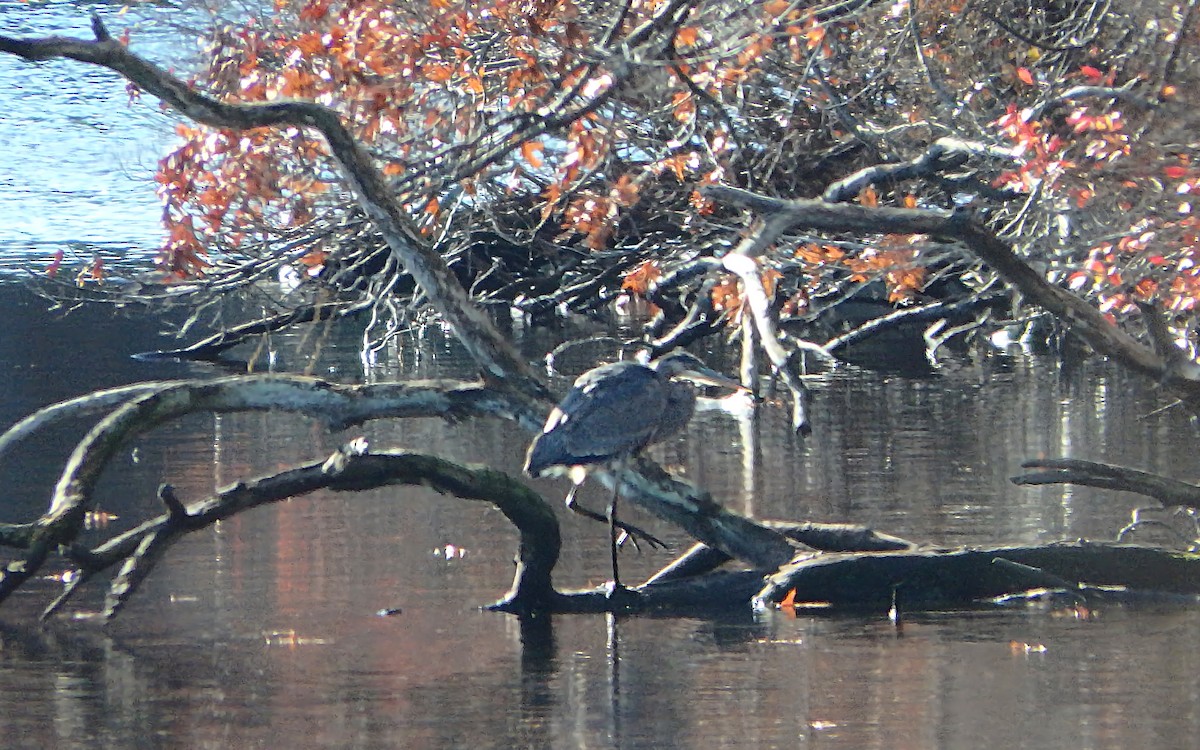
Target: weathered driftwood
(939,579)
(894,573)
(350,469)
(1168,491)
(138,408)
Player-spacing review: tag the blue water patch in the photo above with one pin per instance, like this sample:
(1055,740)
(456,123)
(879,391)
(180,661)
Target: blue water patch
(78,157)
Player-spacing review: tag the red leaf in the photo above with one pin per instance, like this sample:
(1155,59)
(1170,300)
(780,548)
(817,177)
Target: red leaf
(1025,76)
(532,150)
(52,269)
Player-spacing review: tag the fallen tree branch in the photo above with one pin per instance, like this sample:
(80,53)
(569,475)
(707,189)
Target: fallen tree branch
(1168,491)
(823,537)
(352,469)
(148,407)
(340,406)
(142,407)
(346,471)
(938,579)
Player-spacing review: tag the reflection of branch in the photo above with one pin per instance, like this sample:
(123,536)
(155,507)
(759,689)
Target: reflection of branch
(211,348)
(1107,476)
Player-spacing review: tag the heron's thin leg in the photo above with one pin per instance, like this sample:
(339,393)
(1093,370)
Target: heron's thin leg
(612,524)
(634,533)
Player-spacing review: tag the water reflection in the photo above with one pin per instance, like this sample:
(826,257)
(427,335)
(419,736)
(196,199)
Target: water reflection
(262,632)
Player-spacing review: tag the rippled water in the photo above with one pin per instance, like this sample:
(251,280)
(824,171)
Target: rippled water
(78,157)
(263,632)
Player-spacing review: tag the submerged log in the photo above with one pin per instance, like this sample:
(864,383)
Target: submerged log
(944,579)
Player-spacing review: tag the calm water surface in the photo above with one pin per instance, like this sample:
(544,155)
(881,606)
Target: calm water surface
(263,633)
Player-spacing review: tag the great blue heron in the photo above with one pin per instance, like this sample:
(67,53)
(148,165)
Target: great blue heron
(610,415)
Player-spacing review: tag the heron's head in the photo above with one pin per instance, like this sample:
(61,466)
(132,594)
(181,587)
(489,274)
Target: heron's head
(685,365)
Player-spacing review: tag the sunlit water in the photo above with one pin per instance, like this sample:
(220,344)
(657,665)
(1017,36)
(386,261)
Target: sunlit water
(263,632)
(77,172)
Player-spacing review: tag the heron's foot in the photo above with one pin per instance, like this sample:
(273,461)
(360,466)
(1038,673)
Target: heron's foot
(620,596)
(630,533)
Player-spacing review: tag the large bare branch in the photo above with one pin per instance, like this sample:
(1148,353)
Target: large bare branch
(348,470)
(962,226)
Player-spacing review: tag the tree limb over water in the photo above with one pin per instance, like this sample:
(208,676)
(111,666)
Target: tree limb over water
(1091,326)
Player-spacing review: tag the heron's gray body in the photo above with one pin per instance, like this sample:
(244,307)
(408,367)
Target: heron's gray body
(613,411)
(611,414)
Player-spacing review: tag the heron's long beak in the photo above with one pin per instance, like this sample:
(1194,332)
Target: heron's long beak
(706,376)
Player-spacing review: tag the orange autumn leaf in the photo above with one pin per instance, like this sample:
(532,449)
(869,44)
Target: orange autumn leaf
(52,269)
(868,197)
(314,259)
(815,36)
(531,151)
(788,601)
(776,7)
(1025,76)
(639,279)
(626,192)
(438,73)
(770,278)
(727,295)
